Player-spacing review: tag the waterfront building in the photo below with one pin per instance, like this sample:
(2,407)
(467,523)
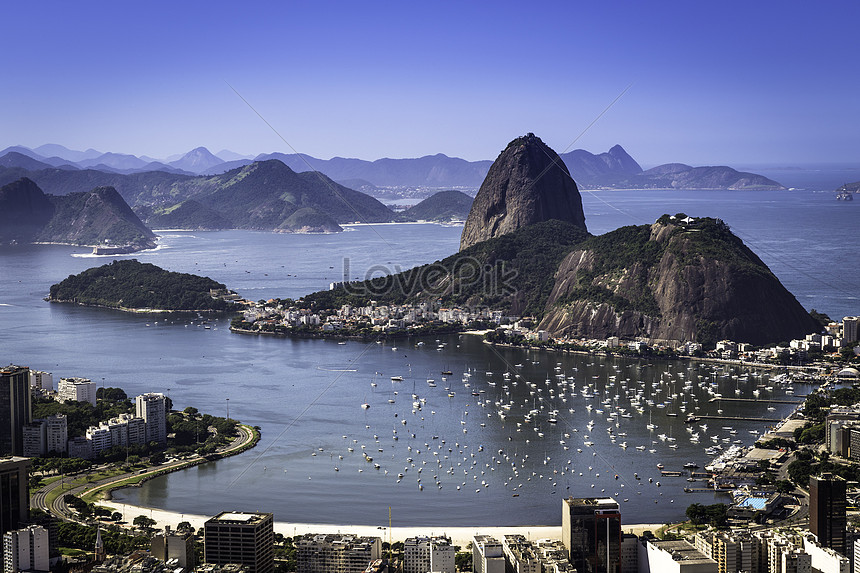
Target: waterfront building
(35,439)
(15,408)
(679,556)
(76,389)
(168,545)
(26,549)
(340,553)
(827,511)
(43,381)
(591,531)
(123,430)
(14,494)
(553,555)
(423,554)
(152,407)
(57,433)
(487,555)
(241,538)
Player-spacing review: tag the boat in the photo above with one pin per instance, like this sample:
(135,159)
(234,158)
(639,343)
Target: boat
(397,378)
(365,406)
(691,465)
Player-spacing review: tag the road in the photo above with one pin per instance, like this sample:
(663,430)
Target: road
(58,507)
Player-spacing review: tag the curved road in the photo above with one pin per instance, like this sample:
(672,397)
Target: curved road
(58,506)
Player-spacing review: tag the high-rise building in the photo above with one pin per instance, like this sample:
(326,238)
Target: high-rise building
(35,439)
(342,553)
(827,511)
(152,407)
(241,538)
(422,554)
(14,496)
(851,328)
(15,408)
(591,531)
(57,433)
(41,380)
(26,550)
(177,545)
(487,555)
(76,389)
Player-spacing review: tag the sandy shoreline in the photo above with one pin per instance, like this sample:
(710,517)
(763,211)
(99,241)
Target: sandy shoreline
(459,535)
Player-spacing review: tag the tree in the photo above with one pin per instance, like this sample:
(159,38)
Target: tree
(463,561)
(143,522)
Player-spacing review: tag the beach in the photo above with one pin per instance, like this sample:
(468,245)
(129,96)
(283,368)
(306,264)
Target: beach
(459,535)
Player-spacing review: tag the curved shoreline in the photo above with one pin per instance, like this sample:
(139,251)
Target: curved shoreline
(137,310)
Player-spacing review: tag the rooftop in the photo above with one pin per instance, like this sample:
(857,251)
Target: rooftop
(240,517)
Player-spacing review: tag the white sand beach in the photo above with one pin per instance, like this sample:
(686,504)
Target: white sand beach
(459,535)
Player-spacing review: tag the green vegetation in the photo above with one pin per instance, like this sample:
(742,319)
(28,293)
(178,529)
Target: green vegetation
(82,537)
(442,206)
(514,272)
(110,402)
(715,515)
(132,284)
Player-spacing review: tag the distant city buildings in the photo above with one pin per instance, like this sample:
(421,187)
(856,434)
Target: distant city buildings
(43,381)
(152,408)
(242,538)
(76,389)
(15,408)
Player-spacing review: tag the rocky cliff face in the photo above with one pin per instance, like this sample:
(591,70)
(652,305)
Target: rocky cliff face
(678,279)
(25,211)
(528,183)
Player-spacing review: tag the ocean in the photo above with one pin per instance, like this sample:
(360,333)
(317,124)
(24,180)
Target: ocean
(474,466)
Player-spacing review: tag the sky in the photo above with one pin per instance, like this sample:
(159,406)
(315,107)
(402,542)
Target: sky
(704,83)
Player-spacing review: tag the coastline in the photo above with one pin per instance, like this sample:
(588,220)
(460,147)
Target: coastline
(459,535)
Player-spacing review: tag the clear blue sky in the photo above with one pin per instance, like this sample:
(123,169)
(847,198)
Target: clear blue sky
(712,83)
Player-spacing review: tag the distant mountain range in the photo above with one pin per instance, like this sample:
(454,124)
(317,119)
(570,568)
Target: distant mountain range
(88,218)
(612,169)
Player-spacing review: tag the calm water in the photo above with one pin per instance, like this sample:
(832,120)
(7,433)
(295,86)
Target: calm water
(306,395)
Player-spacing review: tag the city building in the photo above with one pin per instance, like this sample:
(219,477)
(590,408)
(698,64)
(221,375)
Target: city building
(851,328)
(629,553)
(152,407)
(26,550)
(591,531)
(316,553)
(827,511)
(123,430)
(80,447)
(57,433)
(520,555)
(169,545)
(14,495)
(732,550)
(423,554)
(241,538)
(674,557)
(553,555)
(76,389)
(487,555)
(41,380)
(15,408)
(824,559)
(35,439)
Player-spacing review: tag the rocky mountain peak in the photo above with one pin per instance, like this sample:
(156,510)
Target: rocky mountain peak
(528,183)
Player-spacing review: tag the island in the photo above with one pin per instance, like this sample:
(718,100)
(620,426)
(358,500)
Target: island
(132,286)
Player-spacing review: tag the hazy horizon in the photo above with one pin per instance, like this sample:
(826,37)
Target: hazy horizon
(730,84)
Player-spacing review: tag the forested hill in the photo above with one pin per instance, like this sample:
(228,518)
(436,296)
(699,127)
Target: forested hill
(132,285)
